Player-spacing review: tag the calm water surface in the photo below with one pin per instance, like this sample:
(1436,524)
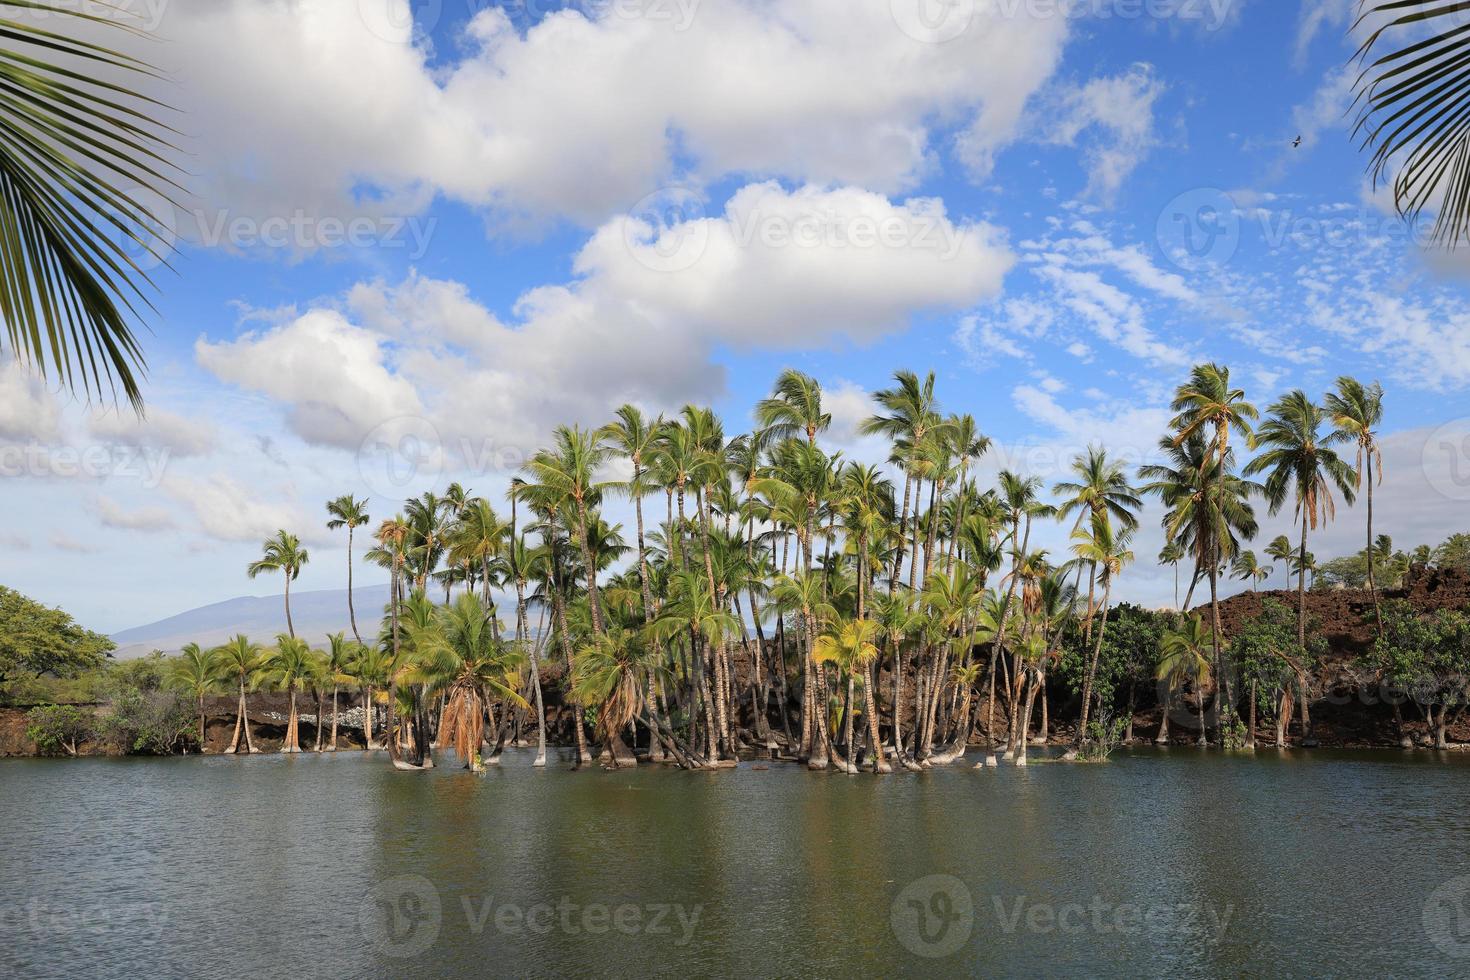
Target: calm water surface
(1159,863)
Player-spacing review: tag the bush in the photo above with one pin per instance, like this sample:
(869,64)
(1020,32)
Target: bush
(145,722)
(56,728)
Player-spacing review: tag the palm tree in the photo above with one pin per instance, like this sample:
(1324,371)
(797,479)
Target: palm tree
(79,146)
(371,669)
(341,655)
(476,542)
(1106,550)
(196,673)
(282,553)
(1356,411)
(1411,110)
(794,409)
(612,674)
(461,654)
(568,473)
(1100,490)
(636,440)
(1019,498)
(291,667)
(352,514)
(1182,659)
(241,661)
(1172,554)
(912,413)
(1301,465)
(1280,549)
(1207,402)
(1247,568)
(848,646)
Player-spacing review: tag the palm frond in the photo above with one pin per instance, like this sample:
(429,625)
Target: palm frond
(1413,109)
(78,154)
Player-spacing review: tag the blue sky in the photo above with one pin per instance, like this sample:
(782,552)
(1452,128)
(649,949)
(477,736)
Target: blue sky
(555,210)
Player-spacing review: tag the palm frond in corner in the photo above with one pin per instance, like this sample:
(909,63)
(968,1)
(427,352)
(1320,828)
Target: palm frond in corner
(81,152)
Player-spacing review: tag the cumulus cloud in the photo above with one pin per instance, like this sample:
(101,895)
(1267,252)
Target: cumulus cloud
(785,270)
(332,373)
(325,107)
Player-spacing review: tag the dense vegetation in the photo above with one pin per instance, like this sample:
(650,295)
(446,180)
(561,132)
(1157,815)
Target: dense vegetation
(781,599)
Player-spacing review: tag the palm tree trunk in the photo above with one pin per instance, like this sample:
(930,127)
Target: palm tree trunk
(334,720)
(870,708)
(1301,632)
(290,627)
(1092,665)
(593,602)
(1372,585)
(351,610)
(367,718)
(292,743)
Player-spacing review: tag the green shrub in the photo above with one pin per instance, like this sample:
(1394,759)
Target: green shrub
(57,728)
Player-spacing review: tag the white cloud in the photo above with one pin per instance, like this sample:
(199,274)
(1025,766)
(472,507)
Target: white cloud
(230,511)
(28,411)
(1128,430)
(112,515)
(782,270)
(1112,119)
(324,107)
(62,541)
(332,373)
(160,430)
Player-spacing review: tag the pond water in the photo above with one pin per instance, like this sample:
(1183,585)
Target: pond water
(1160,863)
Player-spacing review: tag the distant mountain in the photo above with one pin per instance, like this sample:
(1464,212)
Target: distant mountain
(315,614)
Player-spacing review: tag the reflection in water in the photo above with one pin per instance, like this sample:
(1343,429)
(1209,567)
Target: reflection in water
(1177,863)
